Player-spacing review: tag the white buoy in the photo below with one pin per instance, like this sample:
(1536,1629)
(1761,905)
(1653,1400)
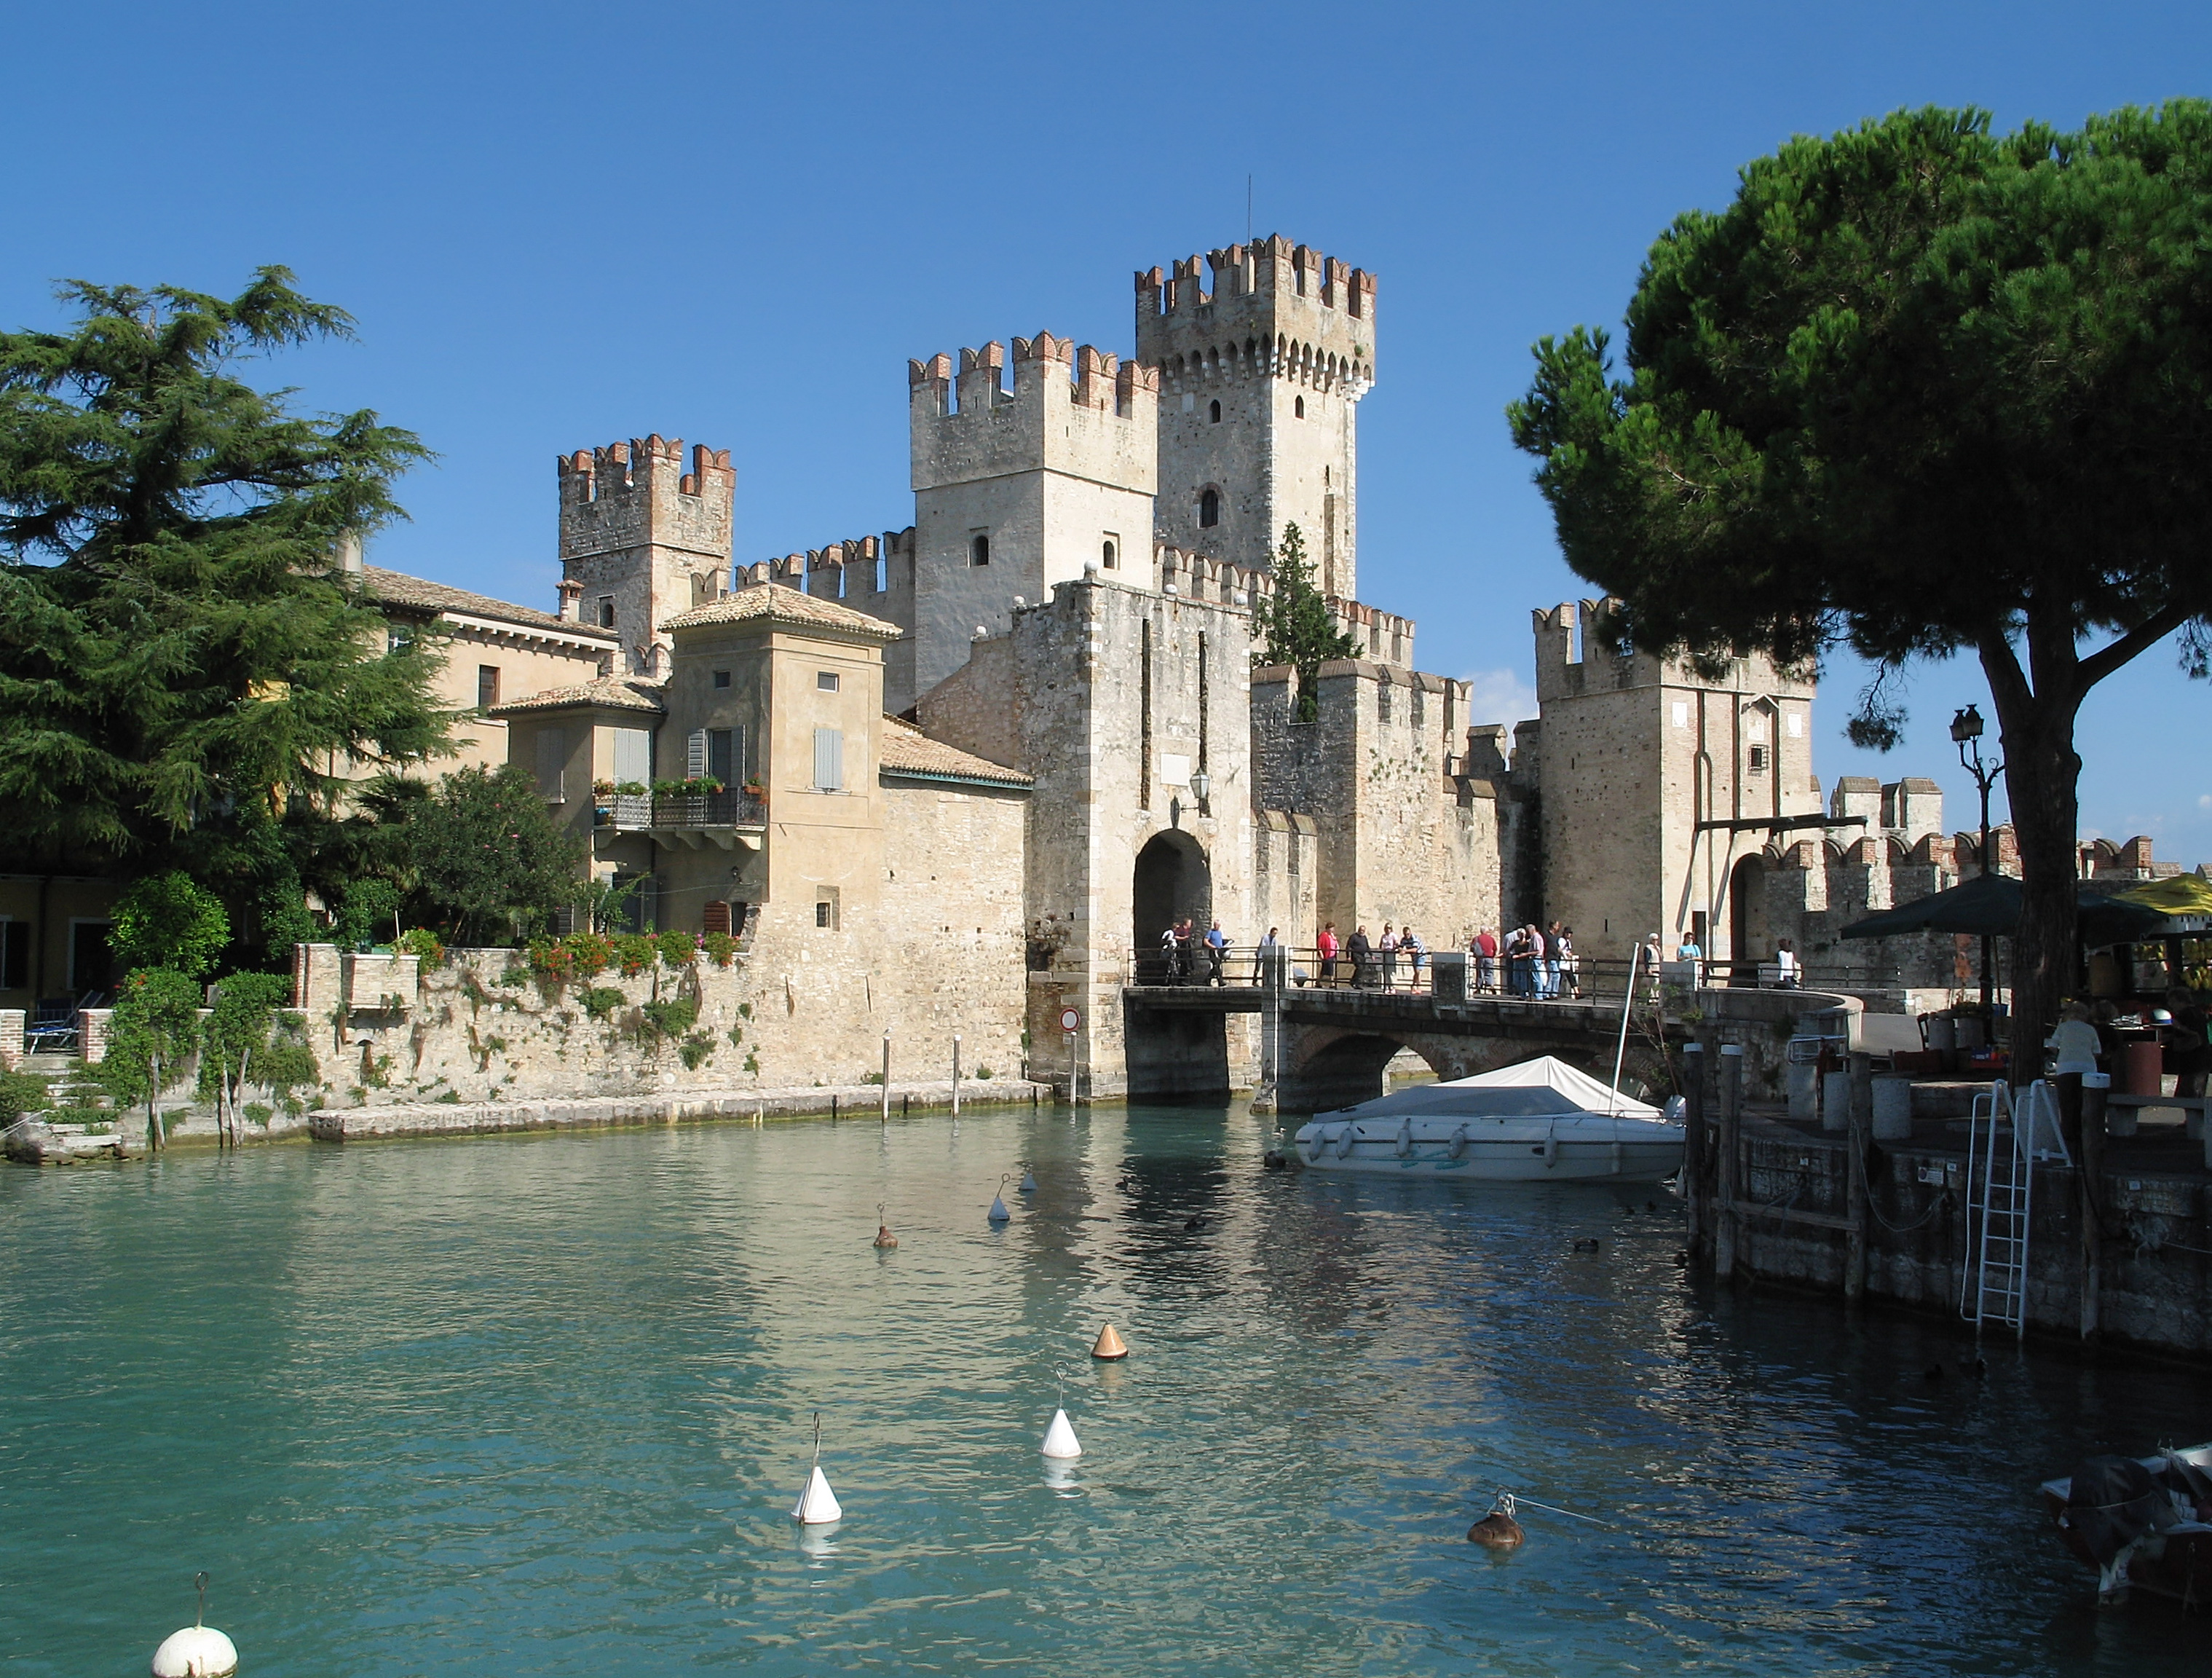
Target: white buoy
(817,1505)
(1060,1437)
(998,1212)
(197,1651)
(1029,1183)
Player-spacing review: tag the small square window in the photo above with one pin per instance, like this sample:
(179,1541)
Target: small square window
(721,678)
(1758,760)
(826,680)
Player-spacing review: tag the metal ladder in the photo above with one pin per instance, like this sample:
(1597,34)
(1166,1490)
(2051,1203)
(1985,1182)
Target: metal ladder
(2005,1137)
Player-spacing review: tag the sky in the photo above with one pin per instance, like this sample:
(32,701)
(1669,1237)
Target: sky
(558,226)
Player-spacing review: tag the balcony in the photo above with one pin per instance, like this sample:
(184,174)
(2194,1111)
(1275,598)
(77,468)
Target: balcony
(691,821)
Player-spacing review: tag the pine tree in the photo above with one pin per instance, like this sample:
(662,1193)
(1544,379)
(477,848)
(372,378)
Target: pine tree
(1295,626)
(180,664)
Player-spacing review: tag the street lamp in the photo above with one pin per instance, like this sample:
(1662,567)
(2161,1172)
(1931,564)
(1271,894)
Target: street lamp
(1967,730)
(1201,785)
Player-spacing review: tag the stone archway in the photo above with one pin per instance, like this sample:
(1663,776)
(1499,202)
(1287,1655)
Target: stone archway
(1327,1067)
(1749,937)
(1172,880)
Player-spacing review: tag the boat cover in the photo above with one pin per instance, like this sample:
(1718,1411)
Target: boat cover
(2111,1502)
(1532,1089)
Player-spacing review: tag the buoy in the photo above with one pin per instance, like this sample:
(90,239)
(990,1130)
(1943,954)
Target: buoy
(817,1505)
(1586,1245)
(197,1651)
(998,1212)
(1108,1348)
(1496,1530)
(1029,1183)
(884,1239)
(1060,1437)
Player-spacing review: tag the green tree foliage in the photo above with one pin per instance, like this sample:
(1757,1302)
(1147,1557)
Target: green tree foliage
(154,1029)
(180,663)
(1920,389)
(486,859)
(245,1041)
(169,921)
(1295,628)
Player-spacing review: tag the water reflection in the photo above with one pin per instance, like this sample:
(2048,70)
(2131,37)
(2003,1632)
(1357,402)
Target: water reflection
(540,1405)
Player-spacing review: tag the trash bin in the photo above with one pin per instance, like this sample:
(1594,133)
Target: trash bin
(1836,1102)
(2144,1066)
(1893,1109)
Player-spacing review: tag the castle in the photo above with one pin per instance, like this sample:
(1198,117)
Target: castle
(969,770)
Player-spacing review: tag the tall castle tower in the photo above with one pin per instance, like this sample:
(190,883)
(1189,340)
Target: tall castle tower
(1259,387)
(643,539)
(1016,491)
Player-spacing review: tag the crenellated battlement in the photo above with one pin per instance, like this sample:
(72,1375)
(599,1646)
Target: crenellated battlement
(1384,637)
(586,475)
(1270,270)
(1044,368)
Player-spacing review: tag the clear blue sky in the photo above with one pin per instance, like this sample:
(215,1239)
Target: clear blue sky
(559,225)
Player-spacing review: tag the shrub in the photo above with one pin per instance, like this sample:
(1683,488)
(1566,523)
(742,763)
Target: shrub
(633,952)
(676,949)
(982,1072)
(156,1025)
(697,1049)
(259,1112)
(601,1001)
(168,922)
(369,906)
(20,1093)
(669,1017)
(871,1078)
(721,949)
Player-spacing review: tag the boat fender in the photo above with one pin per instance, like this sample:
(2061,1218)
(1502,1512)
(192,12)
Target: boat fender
(1405,1138)
(1345,1138)
(1459,1143)
(1551,1145)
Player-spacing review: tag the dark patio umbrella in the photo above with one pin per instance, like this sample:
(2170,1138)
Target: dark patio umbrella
(1988,906)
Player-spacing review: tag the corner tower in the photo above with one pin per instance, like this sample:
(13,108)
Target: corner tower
(642,539)
(1259,384)
(1015,492)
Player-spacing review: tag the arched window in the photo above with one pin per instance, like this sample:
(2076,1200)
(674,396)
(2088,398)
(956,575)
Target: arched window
(1298,408)
(979,551)
(1213,412)
(1209,509)
(1106,554)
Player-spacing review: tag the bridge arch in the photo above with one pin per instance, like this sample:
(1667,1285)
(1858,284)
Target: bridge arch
(1329,1066)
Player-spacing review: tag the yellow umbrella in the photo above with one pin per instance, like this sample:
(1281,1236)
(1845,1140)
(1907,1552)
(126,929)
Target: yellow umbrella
(2181,894)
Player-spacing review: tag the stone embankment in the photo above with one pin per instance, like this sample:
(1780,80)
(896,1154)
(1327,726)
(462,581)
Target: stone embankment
(483,1118)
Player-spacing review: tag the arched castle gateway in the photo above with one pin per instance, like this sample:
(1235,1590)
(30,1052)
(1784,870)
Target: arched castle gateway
(971,767)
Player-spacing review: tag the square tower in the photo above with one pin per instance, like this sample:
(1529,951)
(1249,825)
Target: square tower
(643,539)
(1658,782)
(1017,491)
(1259,387)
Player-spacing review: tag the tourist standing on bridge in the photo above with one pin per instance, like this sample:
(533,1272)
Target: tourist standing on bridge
(1325,947)
(1690,951)
(1538,979)
(1270,950)
(1570,964)
(1516,962)
(1552,968)
(1388,946)
(1186,951)
(1485,950)
(1216,952)
(1362,951)
(1413,949)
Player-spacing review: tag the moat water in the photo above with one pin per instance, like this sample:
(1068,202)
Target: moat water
(541,1405)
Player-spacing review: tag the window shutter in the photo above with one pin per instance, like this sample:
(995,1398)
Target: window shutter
(633,755)
(694,754)
(552,762)
(740,770)
(830,759)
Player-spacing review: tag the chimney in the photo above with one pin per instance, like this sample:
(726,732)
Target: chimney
(348,553)
(571,593)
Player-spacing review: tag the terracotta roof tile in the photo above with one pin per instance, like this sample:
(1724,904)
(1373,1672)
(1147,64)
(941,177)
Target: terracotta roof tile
(907,751)
(398,588)
(614,693)
(776,604)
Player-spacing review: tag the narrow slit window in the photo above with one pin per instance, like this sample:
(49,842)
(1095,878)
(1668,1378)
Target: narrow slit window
(1213,412)
(1298,407)
(979,550)
(1106,554)
(1209,510)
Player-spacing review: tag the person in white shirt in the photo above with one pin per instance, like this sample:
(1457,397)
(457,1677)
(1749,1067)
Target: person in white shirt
(2076,1041)
(1785,965)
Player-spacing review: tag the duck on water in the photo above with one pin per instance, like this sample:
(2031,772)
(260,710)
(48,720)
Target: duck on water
(1539,1122)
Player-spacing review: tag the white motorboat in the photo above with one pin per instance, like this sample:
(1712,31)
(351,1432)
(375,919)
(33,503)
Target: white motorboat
(1539,1122)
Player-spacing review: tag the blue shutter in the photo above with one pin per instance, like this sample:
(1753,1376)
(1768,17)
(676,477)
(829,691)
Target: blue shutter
(830,759)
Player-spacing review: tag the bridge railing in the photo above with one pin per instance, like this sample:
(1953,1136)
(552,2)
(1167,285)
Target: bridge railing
(1580,979)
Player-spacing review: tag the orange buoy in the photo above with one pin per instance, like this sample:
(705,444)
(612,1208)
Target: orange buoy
(1496,1530)
(1108,1348)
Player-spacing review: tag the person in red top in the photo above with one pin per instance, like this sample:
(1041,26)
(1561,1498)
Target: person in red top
(1326,947)
(1486,960)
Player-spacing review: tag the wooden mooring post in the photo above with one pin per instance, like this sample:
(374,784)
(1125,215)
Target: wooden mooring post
(1693,1145)
(2087,1095)
(1858,1116)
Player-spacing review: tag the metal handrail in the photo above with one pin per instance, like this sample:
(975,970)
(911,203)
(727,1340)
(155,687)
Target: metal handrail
(644,810)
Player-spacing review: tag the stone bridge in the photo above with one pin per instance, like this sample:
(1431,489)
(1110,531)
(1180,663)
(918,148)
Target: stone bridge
(1321,1049)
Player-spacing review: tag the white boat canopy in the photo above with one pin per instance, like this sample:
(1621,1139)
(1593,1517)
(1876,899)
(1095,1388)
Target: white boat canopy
(1530,1088)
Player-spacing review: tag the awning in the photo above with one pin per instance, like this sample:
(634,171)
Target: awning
(1988,905)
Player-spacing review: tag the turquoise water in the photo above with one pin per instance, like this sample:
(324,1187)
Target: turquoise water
(541,1405)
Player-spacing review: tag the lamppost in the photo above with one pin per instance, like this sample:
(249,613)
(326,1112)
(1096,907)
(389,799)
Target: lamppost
(1967,730)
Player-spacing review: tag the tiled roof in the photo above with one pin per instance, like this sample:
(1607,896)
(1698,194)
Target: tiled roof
(615,694)
(907,751)
(398,588)
(775,604)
